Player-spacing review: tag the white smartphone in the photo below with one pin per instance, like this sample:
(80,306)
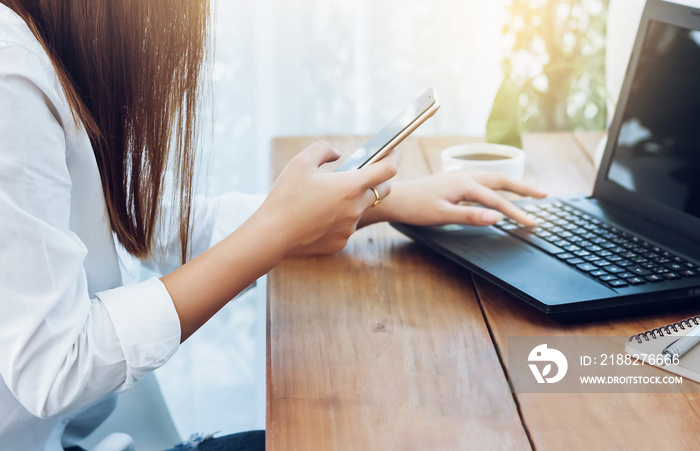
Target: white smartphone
(390,136)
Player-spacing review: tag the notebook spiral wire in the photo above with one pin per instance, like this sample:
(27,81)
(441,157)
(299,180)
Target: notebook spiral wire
(668,329)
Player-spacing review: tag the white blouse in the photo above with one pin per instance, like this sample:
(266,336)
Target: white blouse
(70,332)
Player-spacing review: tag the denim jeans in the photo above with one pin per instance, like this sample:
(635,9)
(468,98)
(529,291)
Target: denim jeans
(242,441)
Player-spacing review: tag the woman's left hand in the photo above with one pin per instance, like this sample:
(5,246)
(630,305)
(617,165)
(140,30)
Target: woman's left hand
(436,200)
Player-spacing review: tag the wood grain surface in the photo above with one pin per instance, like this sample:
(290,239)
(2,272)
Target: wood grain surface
(382,346)
(387,346)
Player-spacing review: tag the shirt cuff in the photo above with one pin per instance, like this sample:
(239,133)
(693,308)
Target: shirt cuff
(147,326)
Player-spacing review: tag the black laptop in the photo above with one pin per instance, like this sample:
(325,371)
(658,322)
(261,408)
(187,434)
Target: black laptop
(634,244)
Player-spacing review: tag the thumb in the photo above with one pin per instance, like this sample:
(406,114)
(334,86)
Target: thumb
(320,153)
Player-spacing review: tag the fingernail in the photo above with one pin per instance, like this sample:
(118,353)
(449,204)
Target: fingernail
(490,216)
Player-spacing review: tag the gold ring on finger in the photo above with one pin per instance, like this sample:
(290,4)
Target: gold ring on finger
(377,199)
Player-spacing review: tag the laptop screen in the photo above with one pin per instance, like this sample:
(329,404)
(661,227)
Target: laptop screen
(658,150)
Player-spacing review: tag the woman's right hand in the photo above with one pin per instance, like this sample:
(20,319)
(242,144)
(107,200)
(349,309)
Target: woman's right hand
(318,212)
(307,212)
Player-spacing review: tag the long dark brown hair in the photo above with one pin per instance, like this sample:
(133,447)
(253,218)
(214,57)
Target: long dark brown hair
(132,71)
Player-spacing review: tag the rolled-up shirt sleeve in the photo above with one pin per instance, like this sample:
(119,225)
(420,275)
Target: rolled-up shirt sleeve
(61,348)
(148,339)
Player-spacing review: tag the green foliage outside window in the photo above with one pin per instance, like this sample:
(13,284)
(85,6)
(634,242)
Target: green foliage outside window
(554,69)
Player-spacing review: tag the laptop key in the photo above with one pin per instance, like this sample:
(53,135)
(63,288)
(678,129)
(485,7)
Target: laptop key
(536,241)
(613,269)
(689,273)
(587,267)
(655,278)
(638,270)
(607,277)
(671,275)
(618,283)
(565,255)
(575,261)
(674,266)
(552,238)
(626,275)
(636,280)
(598,273)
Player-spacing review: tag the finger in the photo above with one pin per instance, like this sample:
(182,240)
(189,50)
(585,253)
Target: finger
(383,190)
(501,182)
(522,189)
(393,153)
(468,215)
(493,200)
(381,171)
(320,153)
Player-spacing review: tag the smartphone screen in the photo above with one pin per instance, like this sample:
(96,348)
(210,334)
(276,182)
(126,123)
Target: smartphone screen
(391,135)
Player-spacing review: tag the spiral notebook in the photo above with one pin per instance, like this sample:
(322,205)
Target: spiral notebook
(652,342)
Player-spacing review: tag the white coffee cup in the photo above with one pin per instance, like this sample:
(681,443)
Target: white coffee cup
(476,157)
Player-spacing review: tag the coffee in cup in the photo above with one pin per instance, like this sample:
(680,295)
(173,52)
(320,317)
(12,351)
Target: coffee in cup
(477,157)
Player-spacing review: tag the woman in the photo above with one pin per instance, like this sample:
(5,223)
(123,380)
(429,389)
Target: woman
(98,107)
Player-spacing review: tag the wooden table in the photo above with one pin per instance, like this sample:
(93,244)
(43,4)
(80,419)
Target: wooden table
(388,346)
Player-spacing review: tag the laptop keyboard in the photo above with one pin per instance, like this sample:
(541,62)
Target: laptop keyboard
(605,253)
